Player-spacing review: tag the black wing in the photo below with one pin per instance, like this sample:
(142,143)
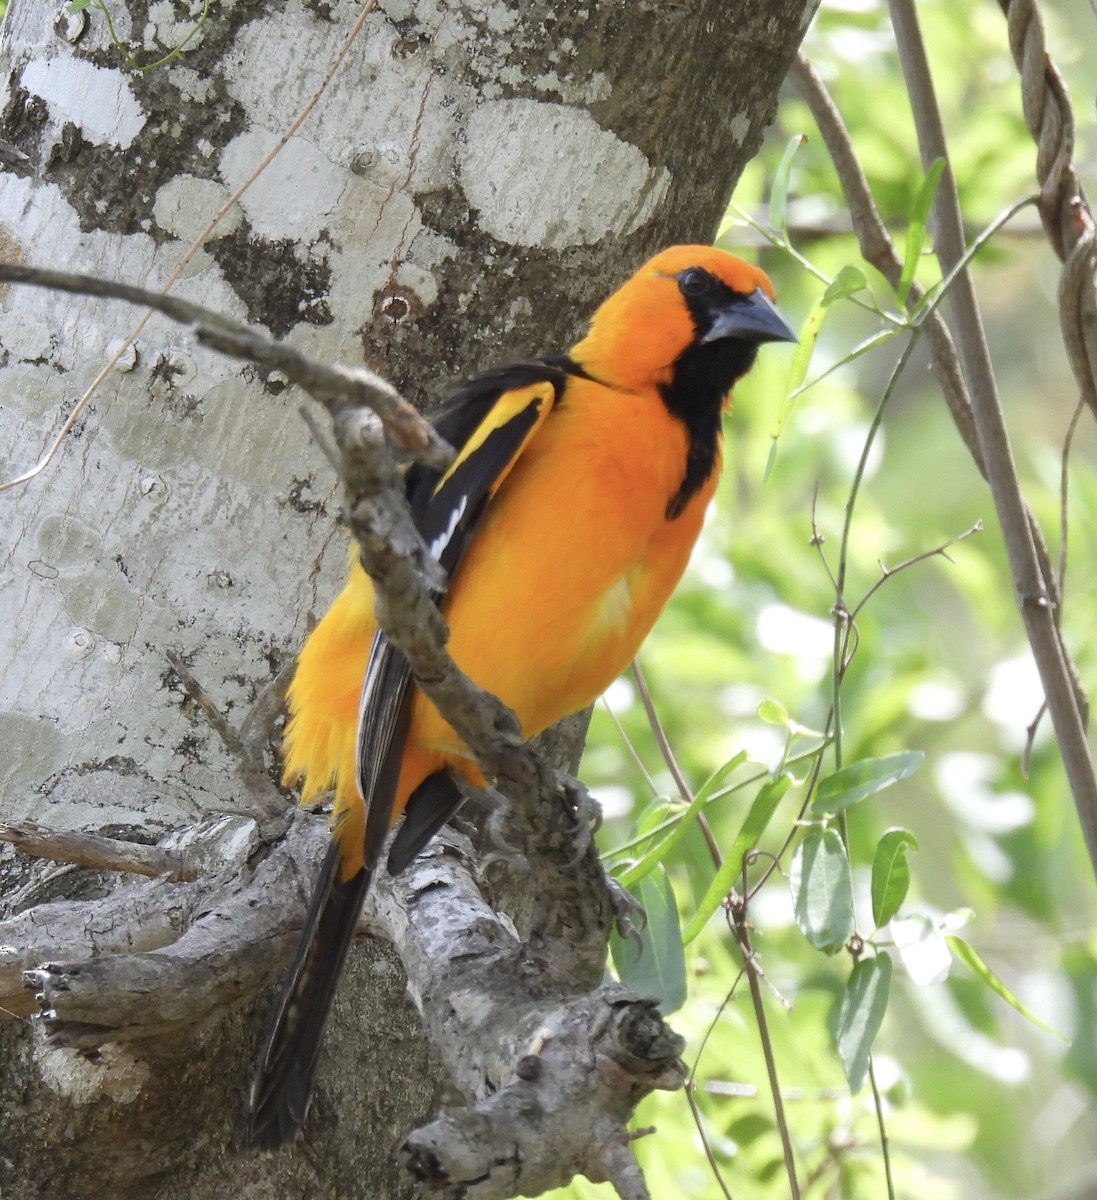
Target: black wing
(488,421)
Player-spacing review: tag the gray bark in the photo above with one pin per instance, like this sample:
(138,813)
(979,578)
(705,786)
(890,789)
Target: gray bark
(474,179)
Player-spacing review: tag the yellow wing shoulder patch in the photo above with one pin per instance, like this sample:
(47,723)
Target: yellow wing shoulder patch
(489,423)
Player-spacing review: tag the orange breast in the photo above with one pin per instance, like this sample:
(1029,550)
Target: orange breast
(572,562)
(568,570)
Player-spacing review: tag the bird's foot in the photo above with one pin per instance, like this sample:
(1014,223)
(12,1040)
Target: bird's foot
(584,811)
(628,913)
(496,827)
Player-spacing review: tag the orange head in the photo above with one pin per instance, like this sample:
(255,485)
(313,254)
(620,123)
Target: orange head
(682,300)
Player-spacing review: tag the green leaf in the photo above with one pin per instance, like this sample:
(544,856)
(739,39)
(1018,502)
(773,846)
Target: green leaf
(822,890)
(657,810)
(916,230)
(923,949)
(773,712)
(977,967)
(657,852)
(78,6)
(754,824)
(715,781)
(798,367)
(859,1018)
(862,779)
(848,282)
(891,873)
(658,966)
(749,1128)
(778,196)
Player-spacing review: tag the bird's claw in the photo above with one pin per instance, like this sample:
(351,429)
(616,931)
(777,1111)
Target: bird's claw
(585,813)
(495,827)
(514,859)
(628,913)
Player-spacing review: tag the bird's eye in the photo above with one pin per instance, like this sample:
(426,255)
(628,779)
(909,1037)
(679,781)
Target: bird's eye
(694,282)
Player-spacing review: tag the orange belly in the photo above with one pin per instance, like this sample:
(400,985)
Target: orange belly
(565,575)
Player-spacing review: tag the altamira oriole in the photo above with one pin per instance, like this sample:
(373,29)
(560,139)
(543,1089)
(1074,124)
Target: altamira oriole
(564,523)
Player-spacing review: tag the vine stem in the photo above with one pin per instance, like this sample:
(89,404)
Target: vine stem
(1034,593)
(885,1141)
(120,47)
(742,936)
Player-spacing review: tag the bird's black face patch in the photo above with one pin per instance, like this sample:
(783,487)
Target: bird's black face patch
(705,296)
(728,325)
(702,377)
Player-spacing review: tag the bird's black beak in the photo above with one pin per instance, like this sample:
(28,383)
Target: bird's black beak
(752,318)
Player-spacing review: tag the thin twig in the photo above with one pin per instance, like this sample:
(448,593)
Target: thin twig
(699,1124)
(667,751)
(879,250)
(214,717)
(845,631)
(690,1085)
(886,573)
(258,723)
(876,244)
(1061,576)
(660,734)
(247,748)
(669,822)
(634,754)
(1064,479)
(404,427)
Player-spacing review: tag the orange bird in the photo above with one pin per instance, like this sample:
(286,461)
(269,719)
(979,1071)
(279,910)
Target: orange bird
(564,524)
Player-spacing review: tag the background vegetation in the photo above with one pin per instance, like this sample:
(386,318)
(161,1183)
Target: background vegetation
(976,1100)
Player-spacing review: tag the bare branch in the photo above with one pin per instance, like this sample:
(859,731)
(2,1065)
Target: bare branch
(405,428)
(552,1076)
(557,1071)
(128,921)
(1032,584)
(227,937)
(92,850)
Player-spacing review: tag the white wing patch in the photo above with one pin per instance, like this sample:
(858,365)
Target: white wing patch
(442,540)
(369,684)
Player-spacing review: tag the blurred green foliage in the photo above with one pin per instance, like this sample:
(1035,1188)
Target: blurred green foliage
(978,1102)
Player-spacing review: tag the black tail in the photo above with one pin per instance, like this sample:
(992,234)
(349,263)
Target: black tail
(282,1086)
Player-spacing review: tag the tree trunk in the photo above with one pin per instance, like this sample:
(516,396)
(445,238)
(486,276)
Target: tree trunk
(474,179)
